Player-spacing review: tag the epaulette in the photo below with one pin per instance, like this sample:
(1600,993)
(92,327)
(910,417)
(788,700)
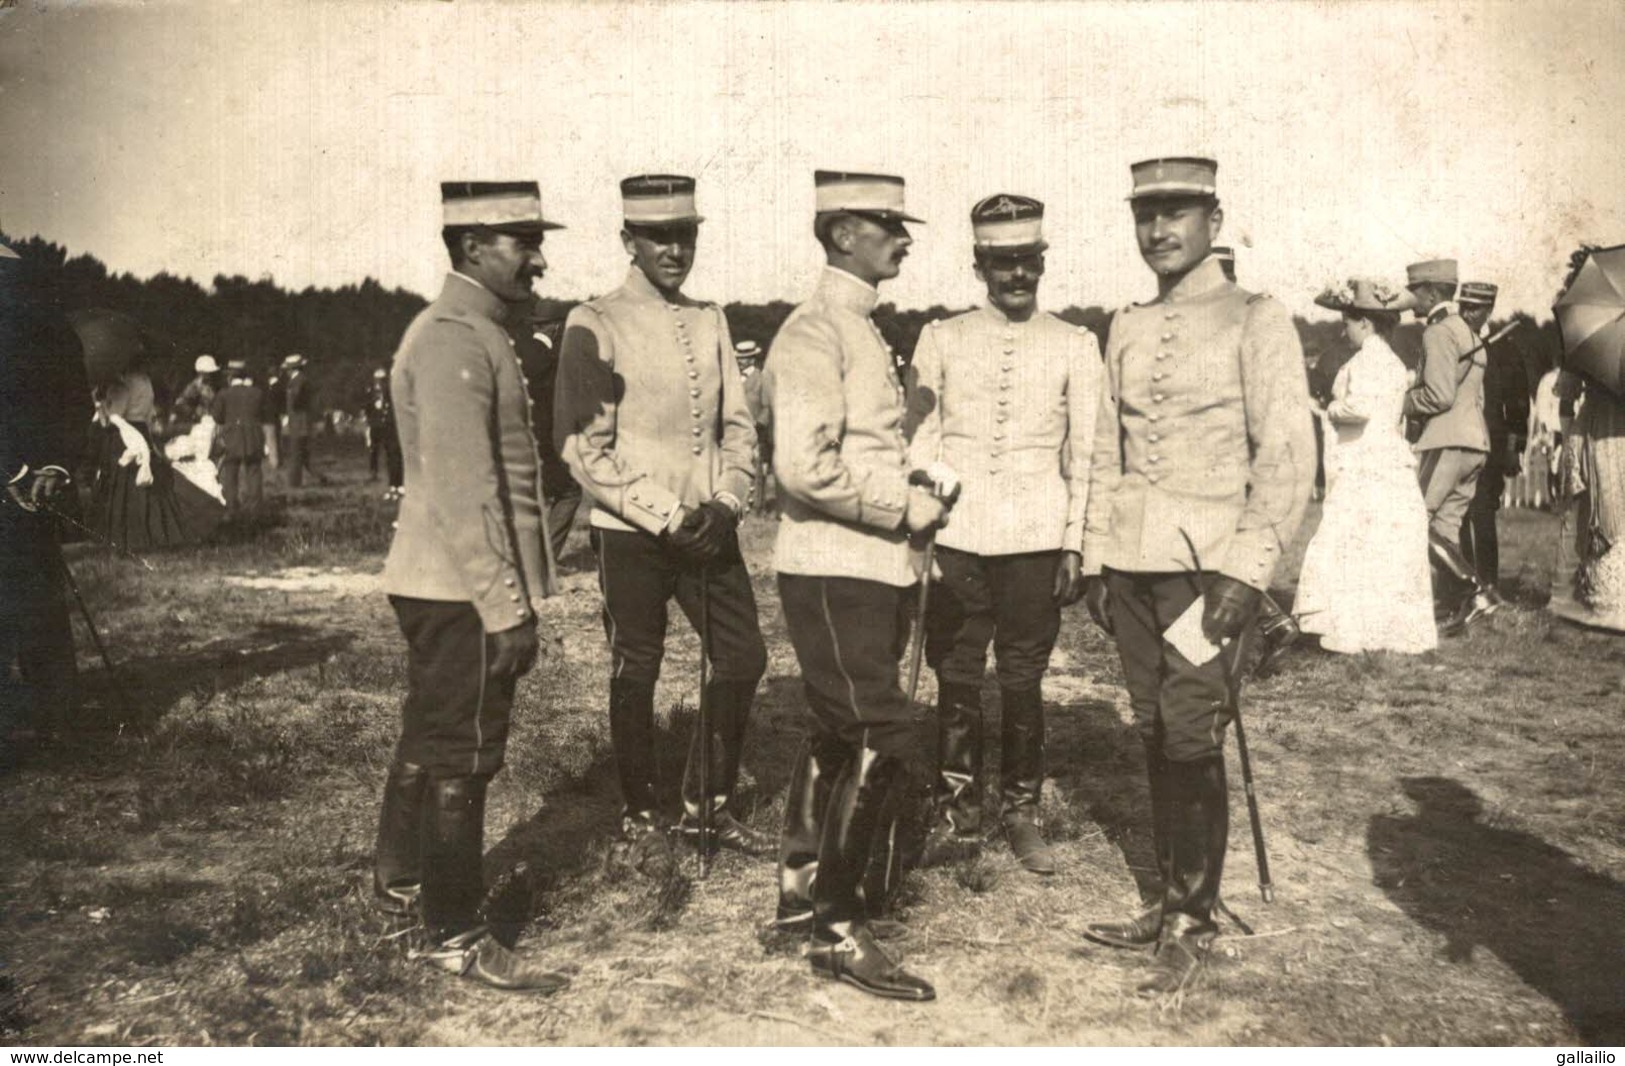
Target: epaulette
(1257,296)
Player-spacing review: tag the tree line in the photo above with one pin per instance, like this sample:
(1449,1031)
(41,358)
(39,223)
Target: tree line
(348,332)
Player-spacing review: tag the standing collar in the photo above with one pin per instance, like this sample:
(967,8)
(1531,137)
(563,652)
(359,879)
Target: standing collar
(465,294)
(1204,279)
(847,290)
(1443,311)
(999,318)
(638,284)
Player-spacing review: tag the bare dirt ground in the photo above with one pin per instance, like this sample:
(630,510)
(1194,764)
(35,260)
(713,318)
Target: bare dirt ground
(189,864)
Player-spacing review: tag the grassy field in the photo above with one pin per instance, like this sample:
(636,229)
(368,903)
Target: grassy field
(190,864)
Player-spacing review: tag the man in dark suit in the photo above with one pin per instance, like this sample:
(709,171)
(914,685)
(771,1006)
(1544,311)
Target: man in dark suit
(238,442)
(44,409)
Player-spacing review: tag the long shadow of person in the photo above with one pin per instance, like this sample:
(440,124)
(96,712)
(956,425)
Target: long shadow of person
(1558,925)
(1100,761)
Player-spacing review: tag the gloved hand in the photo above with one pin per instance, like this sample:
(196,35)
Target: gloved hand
(923,511)
(513,651)
(1069,579)
(49,484)
(1098,602)
(1228,608)
(704,532)
(940,478)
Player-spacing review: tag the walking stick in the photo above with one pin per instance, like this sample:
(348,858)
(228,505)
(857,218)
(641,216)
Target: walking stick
(919,622)
(704,723)
(1265,888)
(96,639)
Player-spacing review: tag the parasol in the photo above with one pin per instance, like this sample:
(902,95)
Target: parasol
(112,341)
(1591,316)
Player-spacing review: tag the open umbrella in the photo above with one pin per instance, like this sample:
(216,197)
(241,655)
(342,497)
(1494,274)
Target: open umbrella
(113,342)
(1591,316)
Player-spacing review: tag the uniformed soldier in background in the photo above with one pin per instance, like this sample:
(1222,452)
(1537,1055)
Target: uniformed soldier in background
(1278,630)
(652,419)
(1507,391)
(537,340)
(464,575)
(238,443)
(1203,461)
(1006,396)
(44,411)
(845,564)
(1449,397)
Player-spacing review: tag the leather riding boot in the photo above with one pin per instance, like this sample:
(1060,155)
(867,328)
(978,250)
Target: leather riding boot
(1480,599)
(1480,545)
(397,860)
(817,769)
(956,803)
(1201,832)
(1280,632)
(1021,776)
(1143,929)
(453,842)
(843,947)
(729,705)
(632,733)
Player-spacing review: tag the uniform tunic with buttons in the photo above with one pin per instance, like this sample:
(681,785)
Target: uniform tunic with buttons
(651,410)
(470,523)
(1204,451)
(1011,407)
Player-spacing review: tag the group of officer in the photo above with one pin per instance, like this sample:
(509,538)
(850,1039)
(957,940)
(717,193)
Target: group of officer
(1164,478)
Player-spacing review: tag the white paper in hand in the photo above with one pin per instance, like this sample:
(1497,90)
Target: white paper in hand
(1187,638)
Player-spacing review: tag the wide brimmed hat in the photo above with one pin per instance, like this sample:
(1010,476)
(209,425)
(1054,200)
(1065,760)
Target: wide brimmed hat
(1438,271)
(747,350)
(294,360)
(1174,176)
(504,206)
(205,364)
(1007,224)
(7,253)
(1365,294)
(879,195)
(1477,292)
(659,200)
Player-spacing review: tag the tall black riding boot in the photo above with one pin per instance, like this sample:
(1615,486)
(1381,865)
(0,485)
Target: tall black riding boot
(1480,545)
(1142,930)
(728,706)
(1480,599)
(817,769)
(956,823)
(632,732)
(1021,776)
(843,947)
(453,848)
(397,869)
(1200,834)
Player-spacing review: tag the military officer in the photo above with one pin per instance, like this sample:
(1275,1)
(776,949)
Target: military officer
(652,420)
(463,574)
(236,410)
(44,410)
(1278,630)
(1006,396)
(1507,391)
(845,563)
(1449,397)
(1203,461)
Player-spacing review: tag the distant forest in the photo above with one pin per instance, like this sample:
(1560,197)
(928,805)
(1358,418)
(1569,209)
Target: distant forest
(348,332)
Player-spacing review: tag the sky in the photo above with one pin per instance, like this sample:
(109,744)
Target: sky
(306,142)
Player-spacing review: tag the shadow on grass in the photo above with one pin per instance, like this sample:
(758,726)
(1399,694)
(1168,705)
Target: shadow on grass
(1557,925)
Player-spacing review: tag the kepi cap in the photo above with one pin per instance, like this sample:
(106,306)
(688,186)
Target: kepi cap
(1477,292)
(880,195)
(1442,271)
(506,206)
(1365,294)
(1005,222)
(1183,175)
(659,200)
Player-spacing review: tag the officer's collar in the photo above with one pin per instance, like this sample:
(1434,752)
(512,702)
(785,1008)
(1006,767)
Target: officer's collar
(1001,319)
(847,290)
(638,284)
(1204,279)
(1443,311)
(465,294)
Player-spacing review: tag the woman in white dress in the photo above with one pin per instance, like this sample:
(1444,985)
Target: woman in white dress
(1366,583)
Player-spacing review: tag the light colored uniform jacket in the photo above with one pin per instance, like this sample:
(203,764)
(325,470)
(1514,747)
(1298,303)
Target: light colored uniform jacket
(839,453)
(1204,449)
(650,409)
(1450,393)
(1010,407)
(470,523)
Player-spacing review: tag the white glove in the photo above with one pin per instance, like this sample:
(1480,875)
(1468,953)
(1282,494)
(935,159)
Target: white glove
(135,450)
(945,482)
